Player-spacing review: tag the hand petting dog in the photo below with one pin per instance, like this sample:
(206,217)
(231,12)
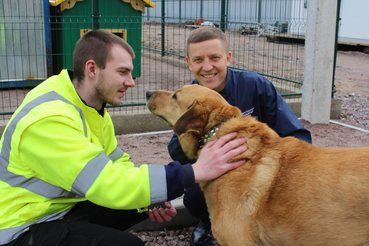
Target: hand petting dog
(206,169)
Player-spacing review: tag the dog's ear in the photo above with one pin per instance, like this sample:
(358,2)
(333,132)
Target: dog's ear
(189,127)
(221,114)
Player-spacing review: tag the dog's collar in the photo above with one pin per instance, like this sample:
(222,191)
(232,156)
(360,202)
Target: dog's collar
(204,138)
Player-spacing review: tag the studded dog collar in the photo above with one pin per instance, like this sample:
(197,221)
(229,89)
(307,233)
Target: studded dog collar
(205,138)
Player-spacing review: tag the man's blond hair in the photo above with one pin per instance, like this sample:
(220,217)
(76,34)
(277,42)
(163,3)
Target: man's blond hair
(207,33)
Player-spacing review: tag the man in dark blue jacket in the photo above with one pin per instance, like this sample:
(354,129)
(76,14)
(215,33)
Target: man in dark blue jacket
(208,57)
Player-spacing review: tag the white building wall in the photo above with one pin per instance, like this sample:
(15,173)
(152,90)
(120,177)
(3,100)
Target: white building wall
(354,24)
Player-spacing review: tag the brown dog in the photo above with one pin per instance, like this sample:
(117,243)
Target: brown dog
(288,193)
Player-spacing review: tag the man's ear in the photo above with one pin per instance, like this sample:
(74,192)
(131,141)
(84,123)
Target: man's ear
(189,127)
(229,57)
(188,63)
(90,68)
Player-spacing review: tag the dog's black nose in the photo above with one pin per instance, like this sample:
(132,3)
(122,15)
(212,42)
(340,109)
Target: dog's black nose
(148,94)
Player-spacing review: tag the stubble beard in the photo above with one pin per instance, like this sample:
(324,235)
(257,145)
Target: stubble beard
(102,92)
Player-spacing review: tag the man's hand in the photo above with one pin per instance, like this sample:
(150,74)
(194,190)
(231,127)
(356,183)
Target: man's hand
(214,157)
(162,214)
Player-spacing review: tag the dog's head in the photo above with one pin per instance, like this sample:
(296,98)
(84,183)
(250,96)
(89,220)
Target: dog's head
(192,111)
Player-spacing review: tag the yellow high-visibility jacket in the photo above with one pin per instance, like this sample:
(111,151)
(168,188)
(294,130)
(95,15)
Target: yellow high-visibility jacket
(57,151)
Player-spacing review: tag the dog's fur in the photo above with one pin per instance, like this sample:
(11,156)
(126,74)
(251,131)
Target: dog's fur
(288,193)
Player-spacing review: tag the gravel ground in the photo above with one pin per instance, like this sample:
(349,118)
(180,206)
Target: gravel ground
(167,237)
(355,112)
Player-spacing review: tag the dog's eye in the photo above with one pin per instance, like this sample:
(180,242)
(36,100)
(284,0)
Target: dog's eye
(174,96)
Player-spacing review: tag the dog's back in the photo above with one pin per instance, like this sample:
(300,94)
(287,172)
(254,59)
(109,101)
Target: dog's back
(290,192)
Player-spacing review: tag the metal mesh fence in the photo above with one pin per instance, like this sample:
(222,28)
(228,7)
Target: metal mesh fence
(37,41)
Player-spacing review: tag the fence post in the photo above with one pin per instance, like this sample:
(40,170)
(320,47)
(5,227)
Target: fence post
(180,11)
(338,19)
(222,15)
(95,14)
(162,27)
(49,50)
(201,9)
(259,11)
(319,57)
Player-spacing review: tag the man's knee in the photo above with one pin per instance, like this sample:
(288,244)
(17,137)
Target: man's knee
(194,201)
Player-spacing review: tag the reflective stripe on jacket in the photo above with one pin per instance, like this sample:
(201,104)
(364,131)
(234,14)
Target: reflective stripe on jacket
(56,151)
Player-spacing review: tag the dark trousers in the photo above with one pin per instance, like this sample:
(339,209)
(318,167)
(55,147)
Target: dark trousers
(194,201)
(86,224)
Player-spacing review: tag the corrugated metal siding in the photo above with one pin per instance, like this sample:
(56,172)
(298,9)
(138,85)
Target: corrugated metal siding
(22,35)
(238,11)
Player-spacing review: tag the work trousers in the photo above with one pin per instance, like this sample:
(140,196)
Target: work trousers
(194,201)
(86,224)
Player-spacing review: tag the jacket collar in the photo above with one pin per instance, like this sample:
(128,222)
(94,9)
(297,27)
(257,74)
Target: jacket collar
(101,111)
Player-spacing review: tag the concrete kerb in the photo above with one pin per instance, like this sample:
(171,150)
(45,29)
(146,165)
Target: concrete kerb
(147,122)
(137,123)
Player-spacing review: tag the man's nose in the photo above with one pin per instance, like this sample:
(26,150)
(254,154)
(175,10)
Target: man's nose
(207,65)
(130,81)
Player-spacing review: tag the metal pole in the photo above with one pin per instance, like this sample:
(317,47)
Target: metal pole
(95,14)
(48,40)
(336,46)
(223,15)
(227,13)
(201,9)
(180,11)
(162,27)
(259,11)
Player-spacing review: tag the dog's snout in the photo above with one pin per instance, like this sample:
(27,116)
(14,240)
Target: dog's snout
(148,94)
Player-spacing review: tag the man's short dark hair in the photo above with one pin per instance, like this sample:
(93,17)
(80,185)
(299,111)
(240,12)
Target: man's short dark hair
(207,33)
(96,45)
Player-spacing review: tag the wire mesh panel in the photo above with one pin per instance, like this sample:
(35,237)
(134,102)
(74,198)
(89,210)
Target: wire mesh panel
(265,36)
(38,38)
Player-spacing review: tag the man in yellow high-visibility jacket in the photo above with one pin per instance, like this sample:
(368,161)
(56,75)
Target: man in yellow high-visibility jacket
(64,181)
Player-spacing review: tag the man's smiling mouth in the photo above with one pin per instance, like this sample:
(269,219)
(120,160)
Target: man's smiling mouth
(208,76)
